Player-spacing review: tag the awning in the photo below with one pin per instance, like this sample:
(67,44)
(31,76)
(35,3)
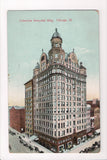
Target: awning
(32,138)
(92,118)
(84,136)
(97,131)
(89,134)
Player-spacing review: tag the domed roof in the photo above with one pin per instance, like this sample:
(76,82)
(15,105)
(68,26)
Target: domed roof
(56,35)
(81,66)
(37,66)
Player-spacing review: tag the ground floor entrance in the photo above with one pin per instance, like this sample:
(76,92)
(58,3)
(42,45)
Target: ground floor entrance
(60,144)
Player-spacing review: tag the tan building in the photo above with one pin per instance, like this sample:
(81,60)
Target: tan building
(59,98)
(29,108)
(97,118)
(95,113)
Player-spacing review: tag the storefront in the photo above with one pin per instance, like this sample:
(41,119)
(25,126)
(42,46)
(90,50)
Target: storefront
(97,132)
(78,140)
(61,148)
(69,145)
(84,138)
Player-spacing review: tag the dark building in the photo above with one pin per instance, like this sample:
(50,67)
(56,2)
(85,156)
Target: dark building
(17,119)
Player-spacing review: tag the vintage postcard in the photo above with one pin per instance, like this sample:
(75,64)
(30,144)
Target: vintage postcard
(53,81)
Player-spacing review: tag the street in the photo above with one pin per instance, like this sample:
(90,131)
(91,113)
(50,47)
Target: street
(82,146)
(17,147)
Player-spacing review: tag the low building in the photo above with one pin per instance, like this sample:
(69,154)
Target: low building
(96,118)
(17,118)
(95,113)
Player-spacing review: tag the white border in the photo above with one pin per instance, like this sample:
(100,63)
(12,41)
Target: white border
(6,5)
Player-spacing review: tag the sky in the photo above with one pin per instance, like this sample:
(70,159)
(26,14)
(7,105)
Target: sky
(30,31)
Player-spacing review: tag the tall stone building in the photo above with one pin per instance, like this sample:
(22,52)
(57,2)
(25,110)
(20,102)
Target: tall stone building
(59,98)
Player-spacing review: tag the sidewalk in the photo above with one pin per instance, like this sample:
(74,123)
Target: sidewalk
(82,146)
(75,149)
(32,143)
(35,144)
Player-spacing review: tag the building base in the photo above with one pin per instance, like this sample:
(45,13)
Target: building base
(64,143)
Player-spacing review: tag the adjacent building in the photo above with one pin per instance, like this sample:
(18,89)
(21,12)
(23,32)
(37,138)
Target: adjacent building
(29,108)
(55,98)
(17,118)
(88,118)
(97,118)
(95,114)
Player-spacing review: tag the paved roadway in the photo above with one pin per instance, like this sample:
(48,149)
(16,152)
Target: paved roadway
(17,147)
(84,145)
(97,150)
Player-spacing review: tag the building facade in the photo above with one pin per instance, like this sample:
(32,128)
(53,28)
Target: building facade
(88,118)
(17,119)
(29,108)
(95,114)
(59,97)
(97,118)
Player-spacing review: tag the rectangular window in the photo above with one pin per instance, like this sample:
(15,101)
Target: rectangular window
(55,133)
(63,133)
(55,126)
(58,125)
(58,133)
(67,130)
(58,110)
(58,118)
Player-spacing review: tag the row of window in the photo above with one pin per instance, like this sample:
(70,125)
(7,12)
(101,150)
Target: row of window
(53,141)
(28,104)
(60,110)
(59,103)
(61,85)
(28,121)
(28,130)
(28,93)
(28,125)
(59,133)
(38,118)
(28,112)
(56,77)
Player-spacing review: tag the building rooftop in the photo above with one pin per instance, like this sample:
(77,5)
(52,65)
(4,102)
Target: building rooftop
(17,107)
(37,66)
(56,35)
(81,66)
(28,81)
